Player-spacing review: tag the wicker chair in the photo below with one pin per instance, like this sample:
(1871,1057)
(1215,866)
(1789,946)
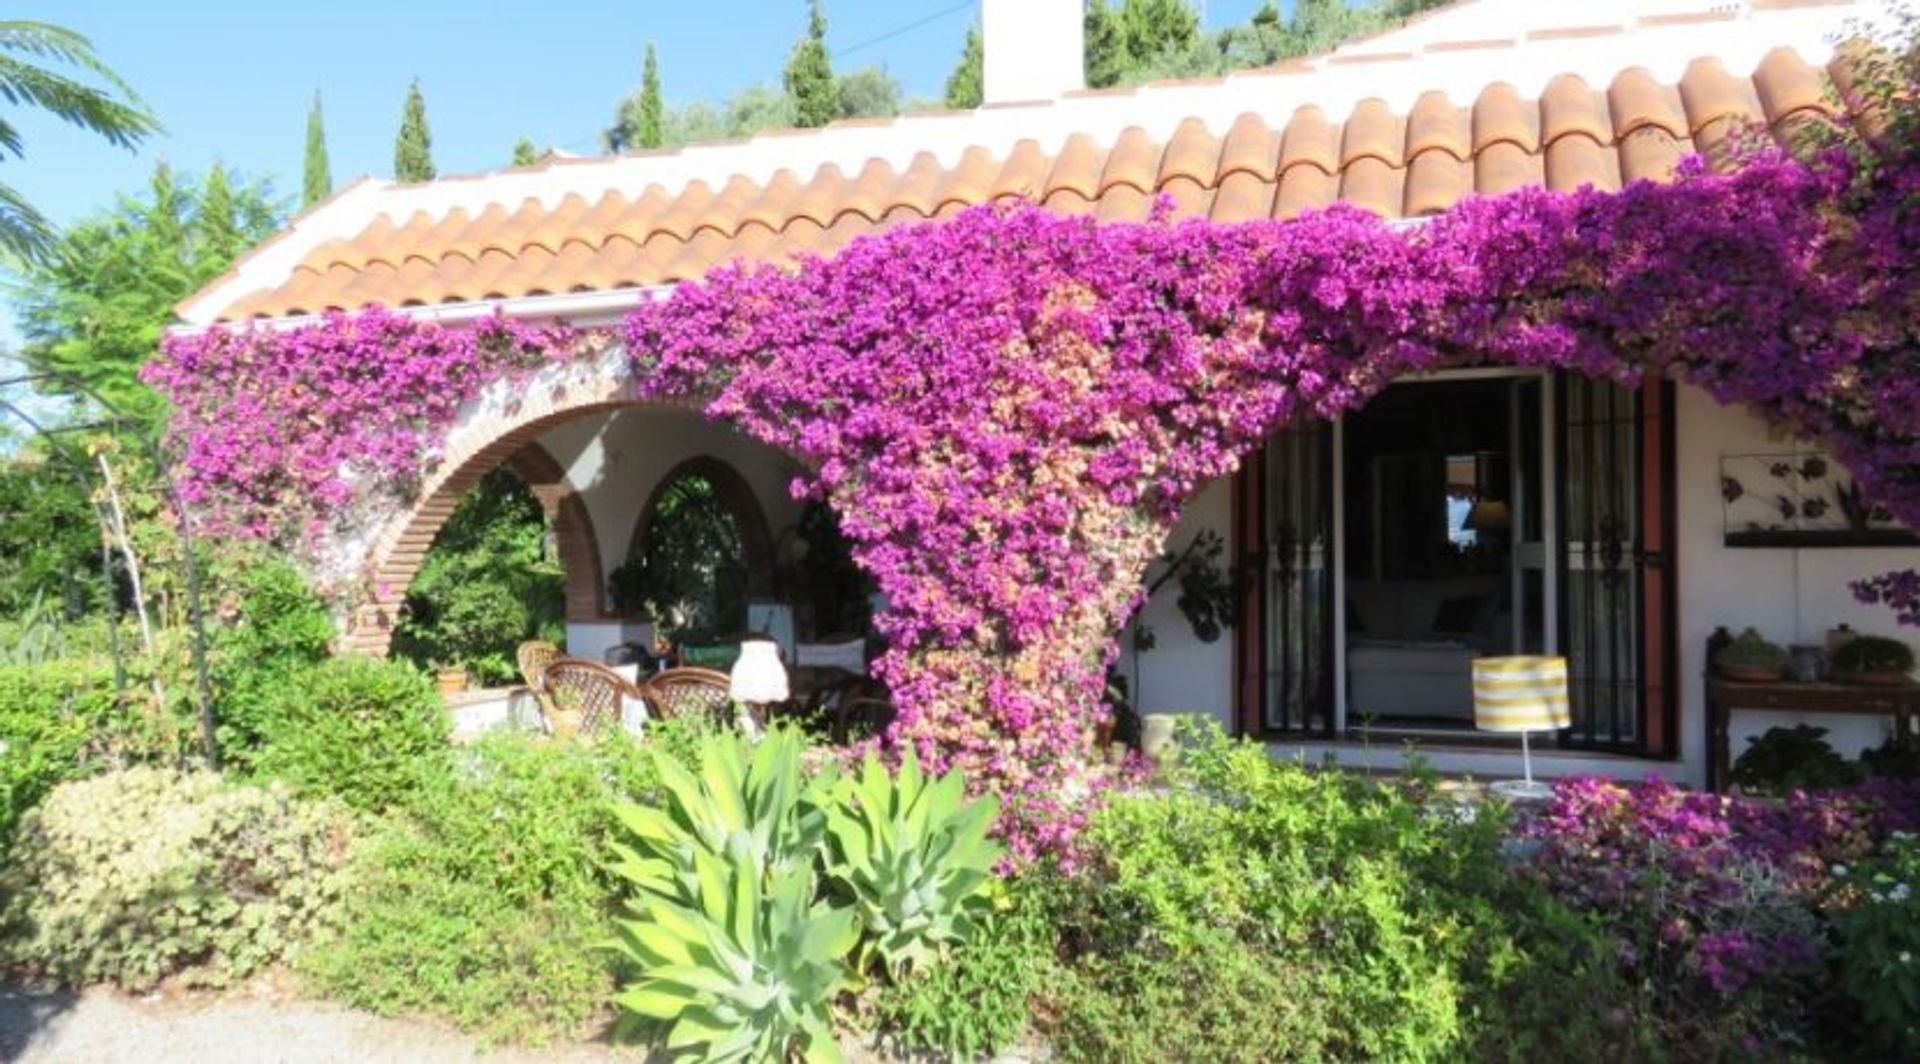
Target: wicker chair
(685,692)
(582,698)
(534,656)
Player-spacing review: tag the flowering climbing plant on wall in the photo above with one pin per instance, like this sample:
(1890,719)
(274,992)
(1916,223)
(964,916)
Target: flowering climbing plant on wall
(1009,409)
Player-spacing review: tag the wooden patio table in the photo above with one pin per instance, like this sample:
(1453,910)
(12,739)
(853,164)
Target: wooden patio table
(1724,696)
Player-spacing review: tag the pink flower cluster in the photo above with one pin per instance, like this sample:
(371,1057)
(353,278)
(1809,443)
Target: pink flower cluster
(1713,902)
(1008,409)
(280,433)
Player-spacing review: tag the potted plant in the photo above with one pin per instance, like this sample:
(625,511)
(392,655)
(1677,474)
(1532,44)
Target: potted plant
(1873,660)
(1751,659)
(1785,760)
(451,676)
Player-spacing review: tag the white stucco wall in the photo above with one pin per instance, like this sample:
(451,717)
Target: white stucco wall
(616,460)
(1181,674)
(1790,595)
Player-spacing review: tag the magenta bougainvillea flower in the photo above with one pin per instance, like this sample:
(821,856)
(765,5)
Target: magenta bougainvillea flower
(1009,408)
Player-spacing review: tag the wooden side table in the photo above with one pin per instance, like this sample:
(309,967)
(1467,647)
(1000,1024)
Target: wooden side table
(1813,699)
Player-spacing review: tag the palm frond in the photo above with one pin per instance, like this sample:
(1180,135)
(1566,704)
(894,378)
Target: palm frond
(26,236)
(82,105)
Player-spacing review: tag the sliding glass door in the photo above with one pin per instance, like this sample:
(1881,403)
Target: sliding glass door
(1456,516)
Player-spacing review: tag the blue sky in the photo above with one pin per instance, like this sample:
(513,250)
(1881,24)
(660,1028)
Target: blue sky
(232,81)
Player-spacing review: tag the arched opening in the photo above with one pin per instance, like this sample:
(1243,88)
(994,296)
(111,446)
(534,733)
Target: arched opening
(513,561)
(701,550)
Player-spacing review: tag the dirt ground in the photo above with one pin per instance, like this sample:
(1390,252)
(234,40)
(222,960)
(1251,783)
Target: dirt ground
(258,1026)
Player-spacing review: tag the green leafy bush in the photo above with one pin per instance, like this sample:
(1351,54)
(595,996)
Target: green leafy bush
(1878,930)
(279,629)
(483,899)
(978,1000)
(1371,919)
(148,874)
(913,852)
(47,716)
(738,958)
(489,581)
(353,727)
(1784,760)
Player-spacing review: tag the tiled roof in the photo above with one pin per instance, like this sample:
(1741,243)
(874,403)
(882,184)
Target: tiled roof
(1394,164)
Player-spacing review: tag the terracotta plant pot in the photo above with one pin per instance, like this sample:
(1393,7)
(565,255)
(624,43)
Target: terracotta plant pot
(452,681)
(1752,673)
(1875,678)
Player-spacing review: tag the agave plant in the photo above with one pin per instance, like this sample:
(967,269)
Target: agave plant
(740,960)
(914,853)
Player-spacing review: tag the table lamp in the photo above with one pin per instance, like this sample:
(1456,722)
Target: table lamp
(1521,694)
(758,677)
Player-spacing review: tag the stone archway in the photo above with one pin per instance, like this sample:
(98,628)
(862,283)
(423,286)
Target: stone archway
(501,427)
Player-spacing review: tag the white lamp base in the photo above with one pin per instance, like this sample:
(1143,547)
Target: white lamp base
(1522,790)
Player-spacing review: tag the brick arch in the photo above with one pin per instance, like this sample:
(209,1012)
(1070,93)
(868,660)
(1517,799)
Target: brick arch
(499,428)
(756,535)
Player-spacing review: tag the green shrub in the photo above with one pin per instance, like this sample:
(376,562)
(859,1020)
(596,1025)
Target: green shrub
(483,900)
(147,874)
(1370,919)
(1216,999)
(979,1000)
(737,957)
(352,727)
(1878,930)
(279,628)
(913,854)
(1791,759)
(47,716)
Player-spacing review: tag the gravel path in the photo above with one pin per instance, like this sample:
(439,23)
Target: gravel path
(104,1027)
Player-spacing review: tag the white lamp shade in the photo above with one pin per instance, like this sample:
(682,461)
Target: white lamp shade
(1520,694)
(758,675)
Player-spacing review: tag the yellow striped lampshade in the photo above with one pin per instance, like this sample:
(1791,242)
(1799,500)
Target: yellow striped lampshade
(1520,694)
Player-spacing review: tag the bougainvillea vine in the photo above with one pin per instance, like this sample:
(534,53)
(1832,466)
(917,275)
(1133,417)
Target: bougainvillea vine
(1009,409)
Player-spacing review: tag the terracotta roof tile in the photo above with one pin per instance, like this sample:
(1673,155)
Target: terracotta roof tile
(1310,140)
(1568,107)
(1435,124)
(1302,189)
(1243,196)
(1500,116)
(1426,161)
(1372,132)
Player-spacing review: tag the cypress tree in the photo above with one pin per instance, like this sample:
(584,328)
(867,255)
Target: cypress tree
(1105,48)
(964,84)
(317,178)
(652,108)
(413,148)
(809,75)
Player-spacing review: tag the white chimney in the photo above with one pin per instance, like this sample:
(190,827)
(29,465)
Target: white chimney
(1033,49)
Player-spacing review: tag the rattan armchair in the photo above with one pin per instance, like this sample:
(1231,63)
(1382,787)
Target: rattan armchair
(694,692)
(583,698)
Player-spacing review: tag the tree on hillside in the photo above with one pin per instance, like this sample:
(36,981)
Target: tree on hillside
(640,120)
(317,175)
(652,107)
(29,51)
(1105,50)
(869,92)
(964,85)
(809,74)
(96,305)
(413,147)
(524,153)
